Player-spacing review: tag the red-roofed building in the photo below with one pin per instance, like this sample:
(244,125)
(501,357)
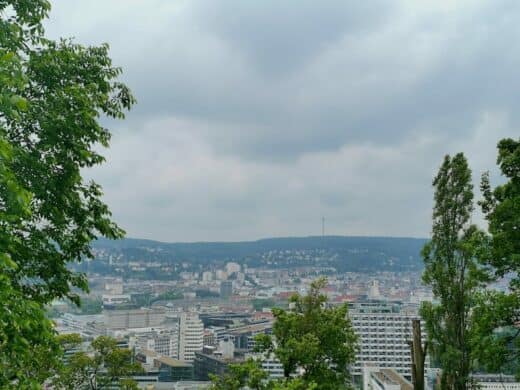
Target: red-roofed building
(262,315)
(286,294)
(346,298)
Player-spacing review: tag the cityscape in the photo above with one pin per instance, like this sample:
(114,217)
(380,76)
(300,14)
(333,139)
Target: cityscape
(196,322)
(259,195)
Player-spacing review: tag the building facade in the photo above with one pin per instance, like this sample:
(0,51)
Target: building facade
(226,289)
(191,336)
(135,318)
(497,382)
(384,330)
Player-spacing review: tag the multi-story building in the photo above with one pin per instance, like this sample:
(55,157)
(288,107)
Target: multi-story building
(135,318)
(384,330)
(209,338)
(115,299)
(215,361)
(191,336)
(172,370)
(269,362)
(496,382)
(273,367)
(384,379)
(163,341)
(88,326)
(181,335)
(207,276)
(226,289)
(244,337)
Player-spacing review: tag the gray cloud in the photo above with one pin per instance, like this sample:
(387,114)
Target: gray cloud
(257,118)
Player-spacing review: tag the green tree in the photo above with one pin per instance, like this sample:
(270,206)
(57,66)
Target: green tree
(246,375)
(249,375)
(91,305)
(316,338)
(294,384)
(25,334)
(501,207)
(65,89)
(497,340)
(52,95)
(453,272)
(100,367)
(314,342)
(259,304)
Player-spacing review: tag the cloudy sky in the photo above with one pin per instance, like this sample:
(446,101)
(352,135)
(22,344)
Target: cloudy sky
(257,118)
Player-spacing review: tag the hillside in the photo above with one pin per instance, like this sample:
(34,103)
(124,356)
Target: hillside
(343,253)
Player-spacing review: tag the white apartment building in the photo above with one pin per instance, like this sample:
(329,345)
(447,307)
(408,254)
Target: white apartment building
(384,330)
(497,382)
(164,341)
(181,335)
(270,364)
(191,335)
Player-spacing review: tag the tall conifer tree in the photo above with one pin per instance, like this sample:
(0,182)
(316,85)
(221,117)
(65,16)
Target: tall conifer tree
(453,272)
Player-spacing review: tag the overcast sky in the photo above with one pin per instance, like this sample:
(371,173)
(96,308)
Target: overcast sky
(257,118)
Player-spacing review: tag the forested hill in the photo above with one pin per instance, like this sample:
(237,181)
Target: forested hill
(343,253)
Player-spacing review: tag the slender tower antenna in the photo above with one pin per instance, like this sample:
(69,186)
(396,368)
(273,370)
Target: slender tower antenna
(322,226)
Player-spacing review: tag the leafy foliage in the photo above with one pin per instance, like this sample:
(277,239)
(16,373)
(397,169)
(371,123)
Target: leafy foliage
(91,306)
(318,339)
(248,374)
(453,272)
(25,333)
(68,87)
(100,367)
(167,296)
(51,97)
(501,207)
(498,340)
(315,344)
(260,304)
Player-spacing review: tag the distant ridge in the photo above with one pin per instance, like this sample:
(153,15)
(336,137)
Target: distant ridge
(342,252)
(131,241)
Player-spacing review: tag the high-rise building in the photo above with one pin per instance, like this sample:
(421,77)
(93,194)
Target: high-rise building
(181,335)
(191,336)
(384,330)
(226,289)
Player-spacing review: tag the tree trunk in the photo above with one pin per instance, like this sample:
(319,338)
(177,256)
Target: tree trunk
(418,356)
